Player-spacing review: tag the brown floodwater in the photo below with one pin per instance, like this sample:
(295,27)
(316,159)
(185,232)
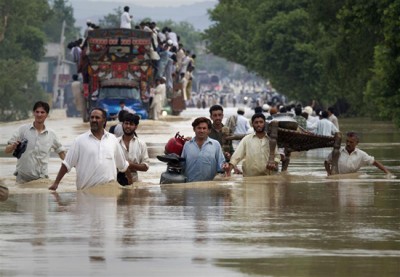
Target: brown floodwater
(296,224)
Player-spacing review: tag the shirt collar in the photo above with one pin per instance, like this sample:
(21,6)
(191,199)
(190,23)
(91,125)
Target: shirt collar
(33,127)
(355,151)
(132,139)
(105,135)
(208,140)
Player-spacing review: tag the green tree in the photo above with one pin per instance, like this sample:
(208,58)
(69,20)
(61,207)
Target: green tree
(60,10)
(18,88)
(111,20)
(21,46)
(335,51)
(383,90)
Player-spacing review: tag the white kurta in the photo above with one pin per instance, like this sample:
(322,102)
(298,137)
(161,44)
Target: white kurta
(137,153)
(255,153)
(96,161)
(351,163)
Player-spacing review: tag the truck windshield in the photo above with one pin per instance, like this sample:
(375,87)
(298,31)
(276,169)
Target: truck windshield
(118,93)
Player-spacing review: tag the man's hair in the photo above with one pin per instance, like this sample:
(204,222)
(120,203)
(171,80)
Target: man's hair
(199,120)
(122,102)
(126,9)
(352,134)
(258,109)
(103,112)
(297,110)
(324,114)
(41,104)
(216,108)
(121,115)
(257,115)
(331,109)
(132,118)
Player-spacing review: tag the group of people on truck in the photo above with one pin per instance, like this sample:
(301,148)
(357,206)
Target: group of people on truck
(172,63)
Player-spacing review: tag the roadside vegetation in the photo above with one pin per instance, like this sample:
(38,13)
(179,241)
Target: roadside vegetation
(25,27)
(338,52)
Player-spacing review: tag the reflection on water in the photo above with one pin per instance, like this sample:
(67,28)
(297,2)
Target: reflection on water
(296,224)
(274,226)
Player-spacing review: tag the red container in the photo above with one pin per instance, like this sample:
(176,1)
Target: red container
(175,145)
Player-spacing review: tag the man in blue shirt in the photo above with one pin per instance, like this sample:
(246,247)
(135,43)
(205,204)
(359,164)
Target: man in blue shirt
(203,155)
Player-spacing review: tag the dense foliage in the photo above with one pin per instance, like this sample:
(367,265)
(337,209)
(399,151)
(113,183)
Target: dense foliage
(343,52)
(25,27)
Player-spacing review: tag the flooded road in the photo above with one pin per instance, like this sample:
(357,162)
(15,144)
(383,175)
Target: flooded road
(296,224)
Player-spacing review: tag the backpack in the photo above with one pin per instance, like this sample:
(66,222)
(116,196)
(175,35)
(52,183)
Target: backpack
(112,128)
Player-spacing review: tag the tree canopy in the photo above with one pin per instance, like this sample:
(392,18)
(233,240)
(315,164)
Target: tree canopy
(343,52)
(25,27)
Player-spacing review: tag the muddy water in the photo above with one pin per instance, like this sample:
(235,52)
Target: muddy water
(297,224)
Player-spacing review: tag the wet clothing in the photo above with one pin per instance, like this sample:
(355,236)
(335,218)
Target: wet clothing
(255,153)
(334,120)
(312,122)
(202,164)
(351,163)
(137,153)
(33,163)
(325,128)
(242,125)
(96,161)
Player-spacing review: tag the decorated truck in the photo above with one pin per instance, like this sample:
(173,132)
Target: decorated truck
(116,66)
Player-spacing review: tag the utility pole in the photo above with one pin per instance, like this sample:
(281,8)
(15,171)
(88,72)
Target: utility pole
(57,71)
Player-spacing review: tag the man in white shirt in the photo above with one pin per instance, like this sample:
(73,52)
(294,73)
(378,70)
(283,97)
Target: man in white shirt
(255,151)
(33,163)
(311,120)
(96,155)
(351,158)
(77,92)
(126,19)
(135,150)
(325,127)
(159,92)
(242,123)
(332,117)
(172,36)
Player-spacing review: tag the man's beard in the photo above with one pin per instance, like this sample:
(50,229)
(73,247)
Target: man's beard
(259,130)
(94,126)
(131,133)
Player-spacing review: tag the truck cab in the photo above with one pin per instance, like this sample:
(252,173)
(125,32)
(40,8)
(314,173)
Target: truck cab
(109,98)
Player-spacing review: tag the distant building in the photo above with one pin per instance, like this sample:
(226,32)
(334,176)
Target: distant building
(47,69)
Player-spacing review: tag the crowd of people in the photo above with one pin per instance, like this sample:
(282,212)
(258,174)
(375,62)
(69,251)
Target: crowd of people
(172,62)
(119,157)
(118,154)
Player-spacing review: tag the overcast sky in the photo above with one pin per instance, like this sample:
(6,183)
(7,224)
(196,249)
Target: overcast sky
(157,3)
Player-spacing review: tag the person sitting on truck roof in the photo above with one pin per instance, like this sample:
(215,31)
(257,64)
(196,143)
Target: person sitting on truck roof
(88,28)
(126,19)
